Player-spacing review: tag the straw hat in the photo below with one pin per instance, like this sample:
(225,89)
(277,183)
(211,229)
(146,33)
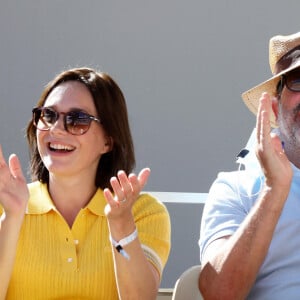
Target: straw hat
(284,56)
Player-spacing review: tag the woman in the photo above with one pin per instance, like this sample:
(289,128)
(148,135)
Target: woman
(81,229)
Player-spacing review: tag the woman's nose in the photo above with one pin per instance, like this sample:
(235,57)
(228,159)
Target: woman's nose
(58,126)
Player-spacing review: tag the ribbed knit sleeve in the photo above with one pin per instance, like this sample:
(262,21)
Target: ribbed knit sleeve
(154,229)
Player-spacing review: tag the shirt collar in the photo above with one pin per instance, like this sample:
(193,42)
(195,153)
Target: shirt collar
(40,201)
(97,203)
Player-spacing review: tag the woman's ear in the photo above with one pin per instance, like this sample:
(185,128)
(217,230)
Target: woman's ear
(108,144)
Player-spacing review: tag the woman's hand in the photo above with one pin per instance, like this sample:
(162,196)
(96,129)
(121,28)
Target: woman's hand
(125,192)
(14,192)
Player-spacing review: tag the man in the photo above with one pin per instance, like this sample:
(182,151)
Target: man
(250,231)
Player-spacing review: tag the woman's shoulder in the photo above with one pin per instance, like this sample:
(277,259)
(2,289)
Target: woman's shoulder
(39,199)
(147,203)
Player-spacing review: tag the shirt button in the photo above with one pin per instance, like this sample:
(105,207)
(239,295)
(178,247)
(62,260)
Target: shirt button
(70,259)
(76,242)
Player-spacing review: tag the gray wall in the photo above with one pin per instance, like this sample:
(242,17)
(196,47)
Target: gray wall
(181,64)
(185,211)
(185,235)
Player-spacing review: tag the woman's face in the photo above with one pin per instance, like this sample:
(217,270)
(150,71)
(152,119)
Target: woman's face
(62,153)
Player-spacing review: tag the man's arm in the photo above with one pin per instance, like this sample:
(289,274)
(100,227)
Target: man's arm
(230,264)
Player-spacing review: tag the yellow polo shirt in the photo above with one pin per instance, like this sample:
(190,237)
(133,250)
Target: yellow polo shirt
(56,262)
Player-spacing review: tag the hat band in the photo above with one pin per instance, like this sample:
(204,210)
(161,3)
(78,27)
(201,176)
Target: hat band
(287,60)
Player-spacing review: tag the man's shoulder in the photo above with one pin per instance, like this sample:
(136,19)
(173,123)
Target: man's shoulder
(240,176)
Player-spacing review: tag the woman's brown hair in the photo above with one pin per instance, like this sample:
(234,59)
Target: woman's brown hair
(112,111)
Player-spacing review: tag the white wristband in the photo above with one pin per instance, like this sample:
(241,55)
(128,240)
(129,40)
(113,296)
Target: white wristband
(123,242)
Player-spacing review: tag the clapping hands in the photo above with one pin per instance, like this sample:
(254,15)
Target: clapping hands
(270,152)
(126,190)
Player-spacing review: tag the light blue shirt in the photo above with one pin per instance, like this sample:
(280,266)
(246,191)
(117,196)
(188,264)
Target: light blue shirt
(230,199)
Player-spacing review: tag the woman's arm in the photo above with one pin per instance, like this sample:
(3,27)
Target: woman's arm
(136,277)
(13,199)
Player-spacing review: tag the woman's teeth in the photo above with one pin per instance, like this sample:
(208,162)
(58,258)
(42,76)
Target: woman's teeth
(59,147)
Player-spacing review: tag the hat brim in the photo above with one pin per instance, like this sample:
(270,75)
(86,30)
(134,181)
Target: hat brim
(251,97)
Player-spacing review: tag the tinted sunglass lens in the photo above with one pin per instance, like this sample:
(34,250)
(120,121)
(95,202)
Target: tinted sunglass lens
(36,116)
(295,85)
(293,81)
(77,122)
(49,116)
(44,118)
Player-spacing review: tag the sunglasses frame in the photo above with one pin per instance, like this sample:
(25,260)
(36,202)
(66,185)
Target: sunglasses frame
(38,111)
(285,82)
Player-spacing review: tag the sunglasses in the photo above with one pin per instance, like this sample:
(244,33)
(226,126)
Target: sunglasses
(291,80)
(76,122)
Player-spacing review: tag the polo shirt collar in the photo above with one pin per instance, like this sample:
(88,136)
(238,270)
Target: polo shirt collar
(40,201)
(97,203)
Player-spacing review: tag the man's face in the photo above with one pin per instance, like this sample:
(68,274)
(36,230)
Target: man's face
(288,119)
